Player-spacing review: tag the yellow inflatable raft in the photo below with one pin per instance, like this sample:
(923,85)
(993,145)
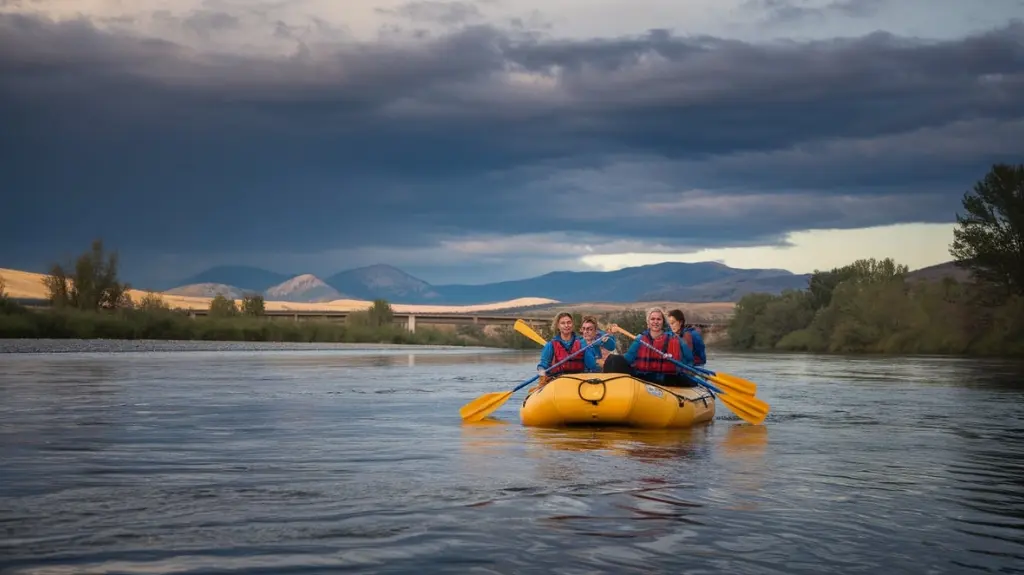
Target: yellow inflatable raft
(615,400)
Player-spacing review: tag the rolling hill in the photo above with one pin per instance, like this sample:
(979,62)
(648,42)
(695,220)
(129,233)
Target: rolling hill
(306,287)
(245,278)
(384,281)
(691,282)
(207,289)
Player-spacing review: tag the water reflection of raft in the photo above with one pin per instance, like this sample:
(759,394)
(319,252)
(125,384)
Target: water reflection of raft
(615,399)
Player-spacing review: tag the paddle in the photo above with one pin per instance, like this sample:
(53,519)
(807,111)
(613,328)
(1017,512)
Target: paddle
(523,328)
(728,380)
(749,408)
(732,383)
(486,404)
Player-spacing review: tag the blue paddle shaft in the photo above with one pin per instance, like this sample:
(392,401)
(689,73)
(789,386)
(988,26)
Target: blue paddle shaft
(525,383)
(572,355)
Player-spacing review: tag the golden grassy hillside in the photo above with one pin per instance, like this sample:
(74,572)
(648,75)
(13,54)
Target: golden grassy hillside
(22,284)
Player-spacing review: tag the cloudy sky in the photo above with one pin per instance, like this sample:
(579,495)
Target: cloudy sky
(498,139)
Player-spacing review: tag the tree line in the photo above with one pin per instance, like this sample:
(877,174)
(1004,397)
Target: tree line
(872,306)
(88,300)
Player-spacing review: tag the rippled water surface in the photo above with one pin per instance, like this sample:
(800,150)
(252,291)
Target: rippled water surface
(355,460)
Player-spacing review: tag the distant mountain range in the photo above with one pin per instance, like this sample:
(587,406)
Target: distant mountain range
(689,282)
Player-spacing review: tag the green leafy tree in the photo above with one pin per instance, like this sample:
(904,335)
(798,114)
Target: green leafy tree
(744,323)
(7,305)
(868,313)
(989,239)
(253,305)
(823,284)
(93,284)
(152,302)
(221,306)
(786,313)
(380,313)
(876,271)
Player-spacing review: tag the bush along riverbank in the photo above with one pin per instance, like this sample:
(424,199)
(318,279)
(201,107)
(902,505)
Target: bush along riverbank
(871,307)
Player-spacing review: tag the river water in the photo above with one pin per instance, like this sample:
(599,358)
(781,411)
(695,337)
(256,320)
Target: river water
(265,459)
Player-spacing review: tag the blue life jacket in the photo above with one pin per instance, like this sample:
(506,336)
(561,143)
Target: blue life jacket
(699,355)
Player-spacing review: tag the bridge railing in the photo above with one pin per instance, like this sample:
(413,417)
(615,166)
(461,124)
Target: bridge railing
(411,320)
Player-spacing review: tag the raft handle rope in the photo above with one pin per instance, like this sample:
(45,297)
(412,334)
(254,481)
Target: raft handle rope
(573,377)
(682,400)
(594,381)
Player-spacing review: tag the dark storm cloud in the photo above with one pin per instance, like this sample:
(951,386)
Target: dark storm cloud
(482,130)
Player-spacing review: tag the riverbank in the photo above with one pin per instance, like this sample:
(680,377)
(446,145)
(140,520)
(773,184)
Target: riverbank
(173,325)
(49,345)
(873,307)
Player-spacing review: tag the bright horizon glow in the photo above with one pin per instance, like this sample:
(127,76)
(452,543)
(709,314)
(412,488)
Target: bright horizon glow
(915,245)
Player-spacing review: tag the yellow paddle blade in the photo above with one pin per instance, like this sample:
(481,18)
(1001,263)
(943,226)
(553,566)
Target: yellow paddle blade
(734,382)
(731,385)
(523,328)
(484,405)
(749,409)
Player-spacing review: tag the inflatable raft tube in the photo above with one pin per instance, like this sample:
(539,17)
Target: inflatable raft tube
(615,400)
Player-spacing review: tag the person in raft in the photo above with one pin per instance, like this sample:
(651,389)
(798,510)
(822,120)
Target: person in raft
(643,362)
(564,344)
(590,332)
(690,335)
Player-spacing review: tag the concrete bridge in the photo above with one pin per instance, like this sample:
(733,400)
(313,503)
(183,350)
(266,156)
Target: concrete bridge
(411,320)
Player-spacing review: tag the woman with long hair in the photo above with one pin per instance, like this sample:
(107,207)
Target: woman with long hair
(564,343)
(690,335)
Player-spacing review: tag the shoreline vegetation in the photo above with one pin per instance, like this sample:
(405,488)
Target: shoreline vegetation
(871,306)
(152,319)
(85,300)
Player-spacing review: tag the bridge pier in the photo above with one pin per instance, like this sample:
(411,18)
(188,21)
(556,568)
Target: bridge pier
(410,324)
